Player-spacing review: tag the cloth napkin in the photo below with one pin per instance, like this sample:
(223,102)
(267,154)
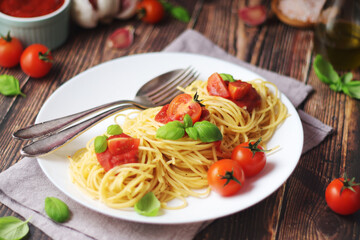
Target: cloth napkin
(23,187)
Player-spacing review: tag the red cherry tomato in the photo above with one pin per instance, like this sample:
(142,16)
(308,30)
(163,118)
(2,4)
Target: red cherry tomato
(340,198)
(239,89)
(10,51)
(121,149)
(162,116)
(216,86)
(36,60)
(250,101)
(150,11)
(251,163)
(226,177)
(184,104)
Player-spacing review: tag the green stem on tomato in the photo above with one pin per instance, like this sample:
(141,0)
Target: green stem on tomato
(229,176)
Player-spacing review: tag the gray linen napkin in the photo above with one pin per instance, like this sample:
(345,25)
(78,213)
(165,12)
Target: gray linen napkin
(23,187)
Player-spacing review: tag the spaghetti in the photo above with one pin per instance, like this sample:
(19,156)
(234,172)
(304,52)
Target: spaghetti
(176,169)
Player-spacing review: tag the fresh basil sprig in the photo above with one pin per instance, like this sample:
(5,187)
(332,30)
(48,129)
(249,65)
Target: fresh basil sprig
(176,12)
(114,129)
(100,144)
(227,77)
(171,131)
(208,132)
(13,228)
(148,205)
(56,209)
(9,86)
(204,130)
(326,73)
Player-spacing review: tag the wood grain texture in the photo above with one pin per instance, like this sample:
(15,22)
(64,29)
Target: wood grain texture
(297,210)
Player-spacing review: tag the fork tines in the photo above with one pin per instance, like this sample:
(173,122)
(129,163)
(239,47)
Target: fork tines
(169,90)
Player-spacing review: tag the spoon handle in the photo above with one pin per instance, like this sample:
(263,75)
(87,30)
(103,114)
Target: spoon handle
(51,126)
(50,143)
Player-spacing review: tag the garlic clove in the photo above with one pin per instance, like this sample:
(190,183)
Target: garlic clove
(121,38)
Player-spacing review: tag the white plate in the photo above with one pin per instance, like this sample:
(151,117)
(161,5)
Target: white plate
(120,79)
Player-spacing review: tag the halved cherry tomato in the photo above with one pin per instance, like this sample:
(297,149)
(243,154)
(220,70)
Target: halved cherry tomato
(250,101)
(239,89)
(122,145)
(181,105)
(250,156)
(162,116)
(226,177)
(121,149)
(341,198)
(10,51)
(216,86)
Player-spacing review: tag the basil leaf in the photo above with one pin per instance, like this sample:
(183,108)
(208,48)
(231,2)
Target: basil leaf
(192,132)
(180,13)
(167,6)
(188,121)
(347,77)
(325,71)
(171,131)
(227,77)
(337,87)
(56,209)
(9,86)
(114,129)
(207,131)
(352,89)
(100,144)
(13,228)
(148,205)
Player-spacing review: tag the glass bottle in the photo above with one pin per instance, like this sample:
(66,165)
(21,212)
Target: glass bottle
(337,33)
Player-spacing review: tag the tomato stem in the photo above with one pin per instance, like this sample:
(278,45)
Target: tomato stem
(348,183)
(7,38)
(197,100)
(45,56)
(254,147)
(141,13)
(229,176)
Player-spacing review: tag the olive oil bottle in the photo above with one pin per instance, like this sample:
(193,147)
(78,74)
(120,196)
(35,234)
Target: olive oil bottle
(337,34)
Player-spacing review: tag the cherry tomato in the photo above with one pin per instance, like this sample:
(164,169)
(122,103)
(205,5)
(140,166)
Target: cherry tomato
(340,198)
(162,116)
(250,156)
(226,177)
(150,11)
(184,104)
(216,86)
(36,60)
(10,51)
(121,149)
(239,89)
(250,101)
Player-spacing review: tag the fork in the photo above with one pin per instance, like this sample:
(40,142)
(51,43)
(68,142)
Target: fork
(53,134)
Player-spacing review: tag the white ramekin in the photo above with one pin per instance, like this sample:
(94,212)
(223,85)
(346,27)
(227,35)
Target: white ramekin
(51,30)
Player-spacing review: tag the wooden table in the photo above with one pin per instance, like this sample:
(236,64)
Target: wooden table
(297,210)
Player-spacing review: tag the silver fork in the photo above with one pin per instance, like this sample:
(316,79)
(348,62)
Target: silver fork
(53,134)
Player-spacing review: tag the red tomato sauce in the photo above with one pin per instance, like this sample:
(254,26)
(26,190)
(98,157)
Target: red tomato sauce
(29,8)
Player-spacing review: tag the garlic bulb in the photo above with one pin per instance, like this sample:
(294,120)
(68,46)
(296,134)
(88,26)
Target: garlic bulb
(88,13)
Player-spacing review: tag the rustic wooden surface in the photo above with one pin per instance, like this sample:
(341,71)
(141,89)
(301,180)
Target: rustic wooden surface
(297,210)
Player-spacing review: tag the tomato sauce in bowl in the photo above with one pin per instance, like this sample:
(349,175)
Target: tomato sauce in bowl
(29,8)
